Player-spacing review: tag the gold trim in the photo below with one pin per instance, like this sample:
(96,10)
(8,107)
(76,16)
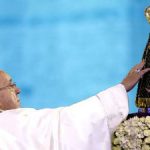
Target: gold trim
(143,102)
(147,14)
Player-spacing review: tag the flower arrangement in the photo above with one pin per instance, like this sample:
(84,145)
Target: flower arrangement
(132,134)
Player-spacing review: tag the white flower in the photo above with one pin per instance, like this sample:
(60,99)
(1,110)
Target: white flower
(133,134)
(147,140)
(142,119)
(145,147)
(116,141)
(116,148)
(147,121)
(146,132)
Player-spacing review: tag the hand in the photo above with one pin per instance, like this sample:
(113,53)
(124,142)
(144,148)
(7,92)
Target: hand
(134,76)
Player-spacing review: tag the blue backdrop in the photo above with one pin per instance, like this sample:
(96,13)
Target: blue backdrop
(60,52)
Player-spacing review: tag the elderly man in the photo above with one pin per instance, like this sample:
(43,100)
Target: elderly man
(86,125)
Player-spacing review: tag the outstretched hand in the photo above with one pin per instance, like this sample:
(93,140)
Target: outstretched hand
(134,76)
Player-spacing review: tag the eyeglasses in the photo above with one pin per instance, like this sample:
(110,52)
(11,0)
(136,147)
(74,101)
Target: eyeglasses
(11,85)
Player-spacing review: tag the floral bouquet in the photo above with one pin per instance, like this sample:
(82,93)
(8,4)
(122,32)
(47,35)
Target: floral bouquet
(132,134)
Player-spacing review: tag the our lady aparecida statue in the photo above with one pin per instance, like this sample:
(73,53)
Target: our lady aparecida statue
(143,91)
(134,132)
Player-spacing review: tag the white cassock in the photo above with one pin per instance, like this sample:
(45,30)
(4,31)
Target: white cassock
(87,125)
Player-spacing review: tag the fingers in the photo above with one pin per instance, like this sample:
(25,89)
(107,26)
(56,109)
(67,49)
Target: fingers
(140,65)
(134,75)
(142,72)
(138,69)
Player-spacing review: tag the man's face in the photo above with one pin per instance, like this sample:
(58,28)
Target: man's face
(8,92)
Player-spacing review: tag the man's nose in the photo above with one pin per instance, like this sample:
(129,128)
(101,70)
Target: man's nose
(17,90)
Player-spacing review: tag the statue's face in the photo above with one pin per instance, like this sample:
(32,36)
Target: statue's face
(8,92)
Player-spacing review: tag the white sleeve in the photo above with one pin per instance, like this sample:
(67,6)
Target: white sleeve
(111,104)
(115,105)
(89,123)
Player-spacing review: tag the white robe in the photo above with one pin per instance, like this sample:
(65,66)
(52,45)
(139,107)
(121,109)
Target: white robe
(86,125)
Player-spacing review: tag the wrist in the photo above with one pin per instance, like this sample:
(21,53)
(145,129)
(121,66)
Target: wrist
(125,86)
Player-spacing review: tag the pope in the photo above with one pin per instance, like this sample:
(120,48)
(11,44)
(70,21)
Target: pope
(86,125)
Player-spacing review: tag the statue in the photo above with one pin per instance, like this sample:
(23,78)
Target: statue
(143,91)
(134,132)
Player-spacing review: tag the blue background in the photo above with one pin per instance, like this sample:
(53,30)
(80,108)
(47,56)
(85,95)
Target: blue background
(60,52)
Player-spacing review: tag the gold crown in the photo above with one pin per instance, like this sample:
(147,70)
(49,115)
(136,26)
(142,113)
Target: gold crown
(147,14)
